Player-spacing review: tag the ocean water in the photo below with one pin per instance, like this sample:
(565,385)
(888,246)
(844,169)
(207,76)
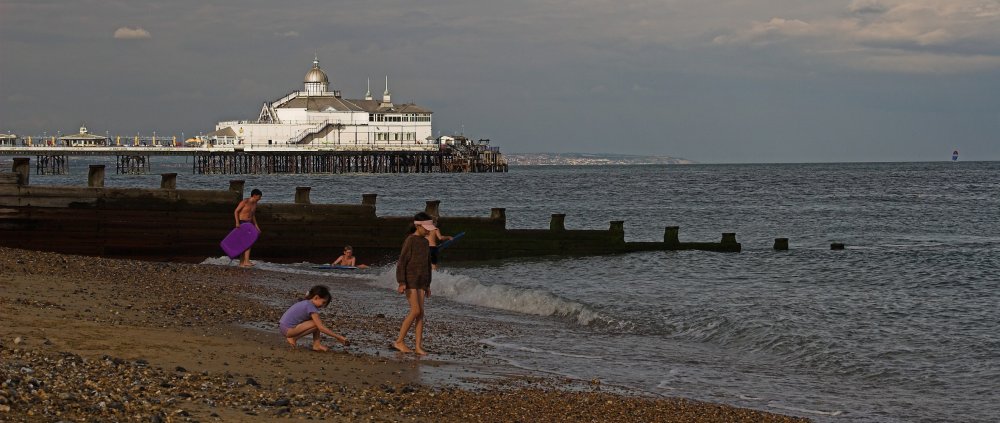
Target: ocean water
(901,326)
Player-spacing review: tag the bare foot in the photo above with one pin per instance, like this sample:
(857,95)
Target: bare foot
(420,351)
(320,347)
(246,264)
(401,347)
(291,341)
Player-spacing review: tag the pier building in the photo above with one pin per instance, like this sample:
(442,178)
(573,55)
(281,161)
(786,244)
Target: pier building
(318,116)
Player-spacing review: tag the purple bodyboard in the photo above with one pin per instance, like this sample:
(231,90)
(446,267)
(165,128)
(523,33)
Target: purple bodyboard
(239,240)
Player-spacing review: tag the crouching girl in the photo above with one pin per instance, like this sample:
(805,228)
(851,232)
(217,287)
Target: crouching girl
(302,319)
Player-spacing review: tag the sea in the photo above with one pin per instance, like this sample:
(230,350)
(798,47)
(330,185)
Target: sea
(902,325)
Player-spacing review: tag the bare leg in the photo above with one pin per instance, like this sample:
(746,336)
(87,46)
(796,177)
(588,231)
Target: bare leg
(415,311)
(317,346)
(245,262)
(301,330)
(419,331)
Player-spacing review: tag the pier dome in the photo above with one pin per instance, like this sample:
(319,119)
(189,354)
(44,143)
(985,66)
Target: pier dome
(316,81)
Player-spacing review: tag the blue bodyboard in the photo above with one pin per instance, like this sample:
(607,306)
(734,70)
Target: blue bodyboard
(453,239)
(329,267)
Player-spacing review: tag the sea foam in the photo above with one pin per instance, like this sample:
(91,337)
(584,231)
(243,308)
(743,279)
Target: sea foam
(466,290)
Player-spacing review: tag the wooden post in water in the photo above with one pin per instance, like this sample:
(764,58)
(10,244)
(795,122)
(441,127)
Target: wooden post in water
(558,222)
(95,177)
(22,167)
(168,181)
(237,185)
(368,199)
(670,235)
(781,244)
(433,208)
(302,195)
(617,229)
(498,213)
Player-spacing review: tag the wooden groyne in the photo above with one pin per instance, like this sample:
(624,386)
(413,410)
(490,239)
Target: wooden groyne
(170,224)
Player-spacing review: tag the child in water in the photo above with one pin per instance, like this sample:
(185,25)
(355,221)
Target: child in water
(302,319)
(348,259)
(413,273)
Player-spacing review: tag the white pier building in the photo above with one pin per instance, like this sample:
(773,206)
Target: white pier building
(319,118)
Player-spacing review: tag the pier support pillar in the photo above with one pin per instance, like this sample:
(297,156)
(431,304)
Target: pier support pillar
(368,199)
(433,208)
(22,167)
(168,181)
(558,222)
(95,177)
(302,195)
(237,185)
(781,244)
(670,235)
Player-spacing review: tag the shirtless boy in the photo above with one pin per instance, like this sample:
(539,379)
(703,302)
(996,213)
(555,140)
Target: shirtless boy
(246,212)
(348,259)
(434,238)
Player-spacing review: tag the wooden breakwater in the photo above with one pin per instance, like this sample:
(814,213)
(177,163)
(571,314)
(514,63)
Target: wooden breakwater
(170,224)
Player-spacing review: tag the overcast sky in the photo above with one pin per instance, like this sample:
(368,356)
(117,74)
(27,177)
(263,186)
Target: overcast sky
(710,81)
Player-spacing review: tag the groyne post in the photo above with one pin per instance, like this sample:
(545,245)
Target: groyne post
(498,213)
(671,235)
(781,244)
(22,167)
(302,195)
(237,185)
(558,222)
(837,246)
(728,238)
(617,229)
(168,181)
(368,199)
(95,177)
(433,208)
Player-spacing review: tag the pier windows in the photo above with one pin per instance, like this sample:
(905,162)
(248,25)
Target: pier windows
(407,117)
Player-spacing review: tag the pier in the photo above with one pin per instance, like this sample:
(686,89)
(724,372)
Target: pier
(235,160)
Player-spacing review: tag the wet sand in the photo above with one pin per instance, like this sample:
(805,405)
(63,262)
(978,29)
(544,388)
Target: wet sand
(92,339)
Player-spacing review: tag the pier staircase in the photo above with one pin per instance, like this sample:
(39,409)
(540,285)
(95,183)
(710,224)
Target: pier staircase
(319,131)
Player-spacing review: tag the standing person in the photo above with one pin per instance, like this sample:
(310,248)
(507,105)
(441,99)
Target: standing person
(302,319)
(348,259)
(434,239)
(246,212)
(413,273)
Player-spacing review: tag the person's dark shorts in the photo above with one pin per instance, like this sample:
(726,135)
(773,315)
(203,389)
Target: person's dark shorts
(434,255)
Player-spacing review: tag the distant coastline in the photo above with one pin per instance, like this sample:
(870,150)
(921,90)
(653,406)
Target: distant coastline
(588,159)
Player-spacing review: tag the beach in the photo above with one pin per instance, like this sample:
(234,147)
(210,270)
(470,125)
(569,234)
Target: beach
(93,339)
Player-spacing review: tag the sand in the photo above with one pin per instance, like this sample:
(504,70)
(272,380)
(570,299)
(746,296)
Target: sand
(93,339)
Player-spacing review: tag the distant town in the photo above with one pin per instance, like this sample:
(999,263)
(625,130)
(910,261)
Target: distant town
(576,159)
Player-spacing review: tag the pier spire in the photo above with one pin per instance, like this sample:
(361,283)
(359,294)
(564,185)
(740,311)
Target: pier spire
(386,99)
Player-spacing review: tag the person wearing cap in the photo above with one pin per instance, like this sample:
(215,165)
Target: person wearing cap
(413,273)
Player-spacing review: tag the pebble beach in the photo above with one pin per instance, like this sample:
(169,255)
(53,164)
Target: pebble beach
(93,339)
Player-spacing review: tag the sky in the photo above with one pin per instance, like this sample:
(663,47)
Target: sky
(723,81)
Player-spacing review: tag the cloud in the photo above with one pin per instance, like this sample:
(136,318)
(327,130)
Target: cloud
(129,33)
(287,34)
(924,36)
